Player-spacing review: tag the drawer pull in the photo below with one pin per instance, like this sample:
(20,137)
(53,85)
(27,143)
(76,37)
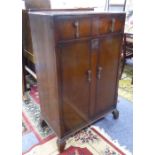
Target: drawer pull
(99,71)
(89,73)
(76,25)
(113,25)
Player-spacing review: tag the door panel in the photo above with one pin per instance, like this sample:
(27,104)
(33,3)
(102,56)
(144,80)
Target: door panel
(75,83)
(107,67)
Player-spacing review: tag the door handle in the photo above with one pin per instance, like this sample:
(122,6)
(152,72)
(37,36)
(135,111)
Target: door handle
(89,74)
(99,71)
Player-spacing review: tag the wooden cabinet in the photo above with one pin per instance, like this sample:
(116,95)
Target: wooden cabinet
(77,62)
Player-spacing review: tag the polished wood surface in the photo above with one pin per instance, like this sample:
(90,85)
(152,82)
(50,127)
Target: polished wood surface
(108,60)
(77,67)
(75,83)
(43,45)
(104,25)
(26,32)
(69,28)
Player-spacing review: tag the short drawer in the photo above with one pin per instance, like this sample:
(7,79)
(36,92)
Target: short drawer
(105,25)
(71,28)
(118,24)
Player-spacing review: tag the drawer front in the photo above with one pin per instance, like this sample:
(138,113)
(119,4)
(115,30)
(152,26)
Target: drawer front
(71,28)
(103,25)
(118,24)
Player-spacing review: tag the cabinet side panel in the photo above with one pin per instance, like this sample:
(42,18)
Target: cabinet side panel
(26,33)
(44,50)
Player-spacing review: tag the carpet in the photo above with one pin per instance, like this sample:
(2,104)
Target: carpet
(125,87)
(122,128)
(38,141)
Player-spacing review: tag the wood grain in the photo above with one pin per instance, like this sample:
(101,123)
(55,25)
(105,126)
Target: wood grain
(77,75)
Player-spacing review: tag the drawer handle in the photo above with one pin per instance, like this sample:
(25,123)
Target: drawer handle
(113,25)
(89,73)
(76,25)
(99,71)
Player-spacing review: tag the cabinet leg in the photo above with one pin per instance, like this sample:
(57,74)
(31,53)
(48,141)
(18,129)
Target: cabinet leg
(115,114)
(61,145)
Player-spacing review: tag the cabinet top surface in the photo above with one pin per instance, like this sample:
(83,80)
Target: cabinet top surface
(59,13)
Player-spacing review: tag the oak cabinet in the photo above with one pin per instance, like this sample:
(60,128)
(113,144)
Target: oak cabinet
(77,63)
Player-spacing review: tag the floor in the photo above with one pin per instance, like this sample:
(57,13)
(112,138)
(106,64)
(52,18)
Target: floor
(122,128)
(125,87)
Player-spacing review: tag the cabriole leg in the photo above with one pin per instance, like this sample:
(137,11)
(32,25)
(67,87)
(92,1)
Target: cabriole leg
(115,114)
(61,145)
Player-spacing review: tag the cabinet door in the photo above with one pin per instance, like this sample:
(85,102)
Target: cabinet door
(75,77)
(107,73)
